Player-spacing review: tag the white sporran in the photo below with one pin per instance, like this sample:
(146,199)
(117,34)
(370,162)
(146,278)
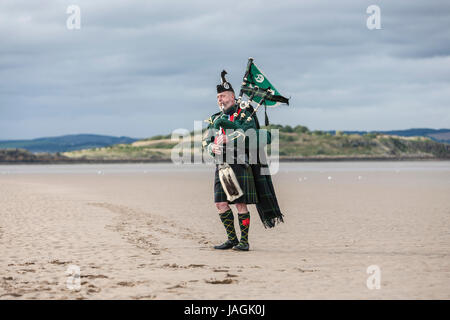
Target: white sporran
(229,182)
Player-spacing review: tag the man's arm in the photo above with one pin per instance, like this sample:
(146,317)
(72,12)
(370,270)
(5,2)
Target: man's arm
(243,124)
(208,140)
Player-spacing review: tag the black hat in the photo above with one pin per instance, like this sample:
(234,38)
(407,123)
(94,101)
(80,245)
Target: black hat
(225,85)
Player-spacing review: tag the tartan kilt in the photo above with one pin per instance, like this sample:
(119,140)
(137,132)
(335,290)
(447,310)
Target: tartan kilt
(244,176)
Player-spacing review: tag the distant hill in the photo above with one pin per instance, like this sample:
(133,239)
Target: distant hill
(296,143)
(13,156)
(439,135)
(65,143)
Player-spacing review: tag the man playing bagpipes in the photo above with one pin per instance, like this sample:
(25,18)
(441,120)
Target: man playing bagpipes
(238,180)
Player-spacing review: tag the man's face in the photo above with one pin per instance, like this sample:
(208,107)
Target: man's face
(225,99)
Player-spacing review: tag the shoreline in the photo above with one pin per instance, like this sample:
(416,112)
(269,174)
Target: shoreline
(281,160)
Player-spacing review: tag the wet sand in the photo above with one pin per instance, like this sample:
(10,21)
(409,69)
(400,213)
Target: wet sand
(147,231)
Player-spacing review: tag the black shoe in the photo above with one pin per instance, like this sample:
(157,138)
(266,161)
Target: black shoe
(241,247)
(227,245)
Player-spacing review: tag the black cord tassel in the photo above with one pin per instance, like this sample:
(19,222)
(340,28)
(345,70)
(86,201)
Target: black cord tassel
(265,113)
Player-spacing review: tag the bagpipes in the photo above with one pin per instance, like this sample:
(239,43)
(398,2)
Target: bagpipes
(259,89)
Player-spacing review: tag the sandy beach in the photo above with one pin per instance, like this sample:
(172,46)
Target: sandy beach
(146,231)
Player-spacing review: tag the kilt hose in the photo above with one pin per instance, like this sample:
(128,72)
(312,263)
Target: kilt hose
(244,176)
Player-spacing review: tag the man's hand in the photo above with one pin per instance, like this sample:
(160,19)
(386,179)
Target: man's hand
(218,143)
(216,149)
(221,139)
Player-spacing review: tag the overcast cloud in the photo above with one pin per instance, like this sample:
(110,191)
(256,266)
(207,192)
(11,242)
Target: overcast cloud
(141,68)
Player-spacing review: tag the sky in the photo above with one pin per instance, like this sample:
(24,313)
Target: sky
(143,68)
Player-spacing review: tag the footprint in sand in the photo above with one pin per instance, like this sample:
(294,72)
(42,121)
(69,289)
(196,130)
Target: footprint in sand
(229,275)
(14,295)
(224,281)
(93,289)
(126,284)
(305,270)
(180,285)
(148,297)
(196,266)
(60,262)
(94,276)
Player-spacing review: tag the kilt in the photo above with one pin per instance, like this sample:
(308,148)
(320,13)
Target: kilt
(244,176)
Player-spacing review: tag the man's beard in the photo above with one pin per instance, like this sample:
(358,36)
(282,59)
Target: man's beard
(223,108)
